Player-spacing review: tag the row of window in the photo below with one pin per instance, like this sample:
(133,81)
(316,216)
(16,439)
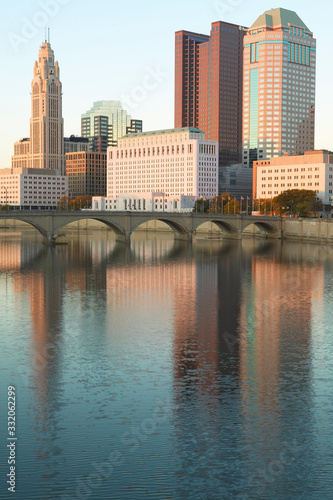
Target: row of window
(133,153)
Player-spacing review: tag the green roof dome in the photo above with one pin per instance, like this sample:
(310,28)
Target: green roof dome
(279,17)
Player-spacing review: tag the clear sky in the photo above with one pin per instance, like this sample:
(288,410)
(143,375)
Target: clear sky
(125,51)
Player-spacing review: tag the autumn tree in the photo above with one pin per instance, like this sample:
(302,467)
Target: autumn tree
(219,203)
(201,205)
(232,207)
(265,206)
(81,202)
(301,202)
(67,203)
(64,203)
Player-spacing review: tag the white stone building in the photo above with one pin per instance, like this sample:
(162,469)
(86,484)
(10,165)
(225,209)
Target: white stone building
(175,162)
(144,202)
(26,188)
(313,170)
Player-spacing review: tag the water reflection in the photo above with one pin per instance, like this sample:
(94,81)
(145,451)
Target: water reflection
(234,335)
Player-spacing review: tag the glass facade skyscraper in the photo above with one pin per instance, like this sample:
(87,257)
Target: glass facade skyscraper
(278,87)
(105,123)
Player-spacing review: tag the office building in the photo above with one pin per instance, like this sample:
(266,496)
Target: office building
(312,170)
(86,173)
(20,158)
(105,123)
(175,162)
(208,86)
(74,143)
(135,127)
(236,180)
(31,188)
(278,87)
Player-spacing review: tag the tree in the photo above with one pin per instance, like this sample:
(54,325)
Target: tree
(64,203)
(219,203)
(232,207)
(201,205)
(81,202)
(265,206)
(301,202)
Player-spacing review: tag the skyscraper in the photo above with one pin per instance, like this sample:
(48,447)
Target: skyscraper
(279,86)
(208,86)
(46,123)
(45,147)
(105,123)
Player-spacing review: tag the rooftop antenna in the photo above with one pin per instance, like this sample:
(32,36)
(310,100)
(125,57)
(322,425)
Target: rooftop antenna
(48,35)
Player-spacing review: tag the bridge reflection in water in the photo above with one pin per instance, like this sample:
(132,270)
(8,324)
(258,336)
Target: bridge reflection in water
(49,224)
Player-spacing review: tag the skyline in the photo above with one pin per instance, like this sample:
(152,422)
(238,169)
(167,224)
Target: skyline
(100,62)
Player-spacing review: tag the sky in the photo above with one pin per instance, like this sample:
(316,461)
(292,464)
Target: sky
(109,50)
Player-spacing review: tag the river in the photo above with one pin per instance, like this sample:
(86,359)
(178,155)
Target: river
(166,370)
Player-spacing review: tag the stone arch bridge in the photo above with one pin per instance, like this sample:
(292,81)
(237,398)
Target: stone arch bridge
(50,223)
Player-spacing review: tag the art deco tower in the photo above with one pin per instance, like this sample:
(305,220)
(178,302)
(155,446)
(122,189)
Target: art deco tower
(46,123)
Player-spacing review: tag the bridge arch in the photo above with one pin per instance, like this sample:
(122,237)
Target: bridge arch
(110,224)
(35,225)
(180,231)
(264,226)
(226,227)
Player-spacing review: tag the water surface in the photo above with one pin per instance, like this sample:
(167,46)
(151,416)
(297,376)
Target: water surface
(165,370)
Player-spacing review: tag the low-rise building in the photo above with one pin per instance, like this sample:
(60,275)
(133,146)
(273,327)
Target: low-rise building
(32,188)
(176,162)
(312,170)
(145,202)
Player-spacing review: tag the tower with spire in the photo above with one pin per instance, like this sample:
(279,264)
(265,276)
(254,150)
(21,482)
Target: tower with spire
(46,122)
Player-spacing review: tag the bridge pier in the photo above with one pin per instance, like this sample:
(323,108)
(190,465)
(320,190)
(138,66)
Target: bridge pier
(49,239)
(124,238)
(237,235)
(184,236)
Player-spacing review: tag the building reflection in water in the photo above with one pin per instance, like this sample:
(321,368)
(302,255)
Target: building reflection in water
(227,308)
(235,353)
(39,277)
